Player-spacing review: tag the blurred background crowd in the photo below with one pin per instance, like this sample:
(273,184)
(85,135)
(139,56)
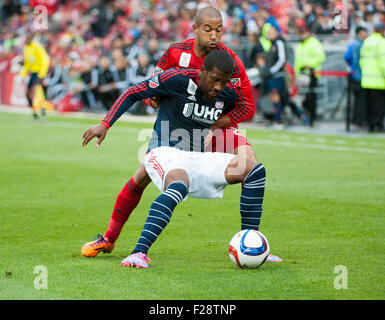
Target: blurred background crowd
(98,48)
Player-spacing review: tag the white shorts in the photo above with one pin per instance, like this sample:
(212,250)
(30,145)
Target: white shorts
(205,170)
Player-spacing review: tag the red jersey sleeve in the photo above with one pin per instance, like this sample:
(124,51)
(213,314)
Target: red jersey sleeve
(162,64)
(244,107)
(168,60)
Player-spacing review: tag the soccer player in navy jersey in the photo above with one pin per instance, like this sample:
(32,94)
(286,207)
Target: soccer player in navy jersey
(187,54)
(192,100)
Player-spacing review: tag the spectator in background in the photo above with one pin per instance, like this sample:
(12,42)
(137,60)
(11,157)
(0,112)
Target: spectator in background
(140,71)
(116,54)
(102,17)
(263,40)
(92,28)
(54,78)
(107,92)
(269,18)
(273,72)
(308,59)
(153,51)
(89,76)
(309,14)
(121,73)
(130,49)
(352,57)
(257,37)
(254,49)
(372,64)
(360,21)
(57,83)
(74,81)
(323,24)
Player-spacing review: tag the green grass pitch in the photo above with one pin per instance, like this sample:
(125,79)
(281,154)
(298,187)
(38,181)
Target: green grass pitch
(324,207)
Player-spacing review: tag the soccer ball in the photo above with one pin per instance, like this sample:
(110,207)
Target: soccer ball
(249,249)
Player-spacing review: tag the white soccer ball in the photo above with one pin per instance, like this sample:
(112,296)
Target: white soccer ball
(249,249)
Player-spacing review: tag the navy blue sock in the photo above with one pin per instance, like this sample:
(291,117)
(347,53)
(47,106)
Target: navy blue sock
(252,198)
(160,215)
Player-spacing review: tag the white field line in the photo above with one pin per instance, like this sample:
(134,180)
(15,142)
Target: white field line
(289,144)
(292,144)
(79,114)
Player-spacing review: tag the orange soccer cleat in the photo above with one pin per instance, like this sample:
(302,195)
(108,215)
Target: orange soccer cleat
(101,244)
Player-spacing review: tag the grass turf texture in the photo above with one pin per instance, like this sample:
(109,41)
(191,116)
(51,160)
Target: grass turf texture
(324,207)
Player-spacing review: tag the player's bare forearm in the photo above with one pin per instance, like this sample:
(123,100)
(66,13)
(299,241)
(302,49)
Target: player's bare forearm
(222,122)
(98,131)
(154,102)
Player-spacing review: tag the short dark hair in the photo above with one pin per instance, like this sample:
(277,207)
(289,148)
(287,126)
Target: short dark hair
(360,28)
(207,12)
(379,27)
(221,60)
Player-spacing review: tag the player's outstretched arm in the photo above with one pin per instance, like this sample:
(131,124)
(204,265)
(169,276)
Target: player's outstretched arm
(98,131)
(223,122)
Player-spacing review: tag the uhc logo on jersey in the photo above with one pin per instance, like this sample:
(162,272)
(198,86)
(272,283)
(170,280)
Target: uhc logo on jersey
(154,82)
(202,113)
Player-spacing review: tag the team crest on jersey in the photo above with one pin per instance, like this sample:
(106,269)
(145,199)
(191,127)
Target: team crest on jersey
(236,82)
(219,104)
(157,70)
(154,82)
(191,89)
(184,60)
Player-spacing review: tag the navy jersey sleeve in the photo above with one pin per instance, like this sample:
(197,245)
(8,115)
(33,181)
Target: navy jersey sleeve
(163,84)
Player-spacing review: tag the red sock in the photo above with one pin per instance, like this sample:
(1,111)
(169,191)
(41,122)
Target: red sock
(126,202)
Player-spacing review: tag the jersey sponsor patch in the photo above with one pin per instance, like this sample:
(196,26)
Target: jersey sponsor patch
(201,113)
(188,109)
(236,82)
(154,82)
(184,60)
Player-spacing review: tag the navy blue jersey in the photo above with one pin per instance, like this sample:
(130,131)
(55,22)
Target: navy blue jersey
(184,118)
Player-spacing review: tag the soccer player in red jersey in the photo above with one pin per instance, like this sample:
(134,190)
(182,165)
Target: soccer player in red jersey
(191,54)
(187,54)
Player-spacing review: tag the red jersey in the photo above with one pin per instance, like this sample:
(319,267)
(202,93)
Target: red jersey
(181,55)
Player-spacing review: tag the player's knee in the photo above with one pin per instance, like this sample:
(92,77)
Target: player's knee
(246,152)
(250,164)
(238,169)
(176,175)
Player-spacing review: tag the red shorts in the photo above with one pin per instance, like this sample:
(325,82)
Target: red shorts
(226,140)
